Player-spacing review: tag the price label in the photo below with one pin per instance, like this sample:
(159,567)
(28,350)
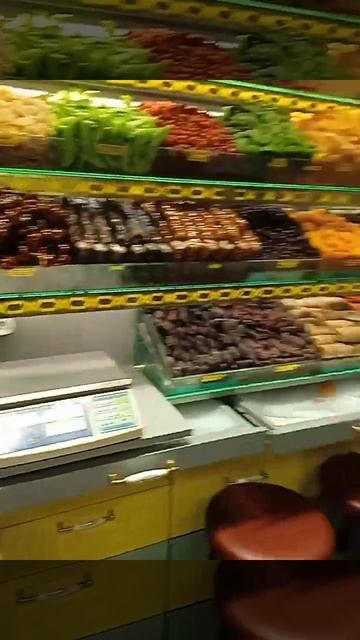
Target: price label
(345,168)
(286,368)
(213,377)
(215,265)
(198,155)
(279,163)
(355,262)
(109,3)
(287,264)
(117,267)
(22,272)
(269,195)
(111,149)
(313,167)
(6,142)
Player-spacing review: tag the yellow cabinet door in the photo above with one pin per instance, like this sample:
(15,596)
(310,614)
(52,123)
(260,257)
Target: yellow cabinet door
(82,599)
(92,532)
(193,488)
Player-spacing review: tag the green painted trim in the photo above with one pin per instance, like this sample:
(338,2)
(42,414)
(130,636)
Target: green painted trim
(294,11)
(175,181)
(222,390)
(289,92)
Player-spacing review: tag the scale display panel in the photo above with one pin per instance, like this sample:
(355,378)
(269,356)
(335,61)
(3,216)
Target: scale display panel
(78,423)
(43,425)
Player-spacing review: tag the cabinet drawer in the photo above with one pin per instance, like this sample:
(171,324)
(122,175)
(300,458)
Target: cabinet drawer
(82,599)
(92,532)
(193,489)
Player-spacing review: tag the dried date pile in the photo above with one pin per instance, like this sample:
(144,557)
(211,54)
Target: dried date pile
(204,339)
(33,230)
(279,233)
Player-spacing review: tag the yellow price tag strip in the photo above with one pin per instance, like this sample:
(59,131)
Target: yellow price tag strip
(215,265)
(111,149)
(279,163)
(198,155)
(213,377)
(22,272)
(286,368)
(287,264)
(117,267)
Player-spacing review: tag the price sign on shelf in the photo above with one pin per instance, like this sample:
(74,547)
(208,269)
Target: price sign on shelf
(22,272)
(352,262)
(213,377)
(279,163)
(215,265)
(286,368)
(287,264)
(313,167)
(110,149)
(198,155)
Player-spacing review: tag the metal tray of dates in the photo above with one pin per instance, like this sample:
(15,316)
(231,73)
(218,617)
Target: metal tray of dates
(154,356)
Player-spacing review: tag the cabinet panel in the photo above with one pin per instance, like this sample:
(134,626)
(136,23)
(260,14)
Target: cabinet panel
(192,623)
(190,581)
(152,552)
(193,488)
(92,532)
(151,629)
(86,598)
(192,546)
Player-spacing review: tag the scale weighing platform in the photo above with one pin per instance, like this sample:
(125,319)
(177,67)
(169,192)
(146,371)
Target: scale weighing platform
(57,406)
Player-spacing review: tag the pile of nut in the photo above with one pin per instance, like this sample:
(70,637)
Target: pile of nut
(204,233)
(333,323)
(204,339)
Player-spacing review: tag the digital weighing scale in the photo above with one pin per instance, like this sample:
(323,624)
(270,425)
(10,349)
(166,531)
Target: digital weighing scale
(57,406)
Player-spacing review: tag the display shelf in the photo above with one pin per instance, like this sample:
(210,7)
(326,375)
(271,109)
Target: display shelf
(222,389)
(152,354)
(299,158)
(235,14)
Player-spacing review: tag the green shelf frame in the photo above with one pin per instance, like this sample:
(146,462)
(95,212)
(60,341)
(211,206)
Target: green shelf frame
(220,390)
(293,11)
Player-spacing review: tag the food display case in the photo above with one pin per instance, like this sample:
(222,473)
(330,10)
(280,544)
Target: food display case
(206,268)
(253,41)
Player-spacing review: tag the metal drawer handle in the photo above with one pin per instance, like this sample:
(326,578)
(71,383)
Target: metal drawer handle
(85,583)
(82,526)
(262,477)
(143,476)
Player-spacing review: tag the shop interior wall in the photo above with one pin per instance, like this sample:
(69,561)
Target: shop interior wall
(109,331)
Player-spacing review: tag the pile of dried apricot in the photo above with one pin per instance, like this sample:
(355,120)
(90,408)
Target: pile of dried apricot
(332,235)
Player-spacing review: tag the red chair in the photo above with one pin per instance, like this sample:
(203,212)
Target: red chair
(303,601)
(339,478)
(255,521)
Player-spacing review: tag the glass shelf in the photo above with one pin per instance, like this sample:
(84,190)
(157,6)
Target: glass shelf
(217,390)
(226,383)
(172,276)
